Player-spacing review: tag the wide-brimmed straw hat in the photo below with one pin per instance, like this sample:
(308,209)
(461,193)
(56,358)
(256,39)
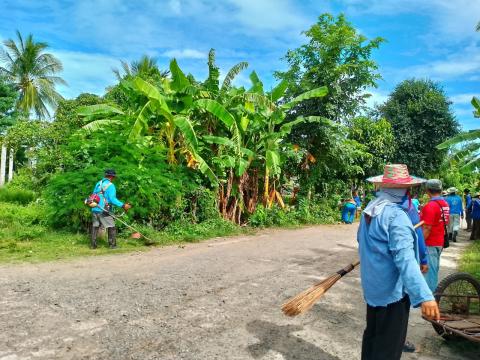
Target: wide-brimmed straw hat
(396,176)
(452,190)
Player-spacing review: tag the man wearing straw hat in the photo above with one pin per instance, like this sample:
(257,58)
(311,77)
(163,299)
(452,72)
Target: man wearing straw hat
(390,271)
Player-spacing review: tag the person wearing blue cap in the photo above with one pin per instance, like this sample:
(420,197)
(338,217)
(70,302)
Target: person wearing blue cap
(101,214)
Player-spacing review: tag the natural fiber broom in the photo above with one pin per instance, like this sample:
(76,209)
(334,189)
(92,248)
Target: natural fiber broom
(305,300)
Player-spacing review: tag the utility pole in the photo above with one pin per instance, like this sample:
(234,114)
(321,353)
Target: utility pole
(10,166)
(3,163)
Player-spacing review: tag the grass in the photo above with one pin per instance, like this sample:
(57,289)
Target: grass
(470,260)
(33,242)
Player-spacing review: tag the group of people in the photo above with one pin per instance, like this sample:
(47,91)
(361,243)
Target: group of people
(400,244)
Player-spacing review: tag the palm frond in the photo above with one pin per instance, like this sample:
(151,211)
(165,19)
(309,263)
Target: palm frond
(460,138)
(232,73)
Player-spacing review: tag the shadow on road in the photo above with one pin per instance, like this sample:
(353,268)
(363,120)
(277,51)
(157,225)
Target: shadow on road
(280,339)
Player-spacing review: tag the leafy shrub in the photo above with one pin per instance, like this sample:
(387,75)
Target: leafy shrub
(15,195)
(307,212)
(22,222)
(160,193)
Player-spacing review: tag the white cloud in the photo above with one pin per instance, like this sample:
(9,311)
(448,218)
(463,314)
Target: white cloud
(452,21)
(462,98)
(377,97)
(463,63)
(85,72)
(268,15)
(185,54)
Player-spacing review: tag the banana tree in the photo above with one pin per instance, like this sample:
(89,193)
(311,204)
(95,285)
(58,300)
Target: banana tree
(270,117)
(466,146)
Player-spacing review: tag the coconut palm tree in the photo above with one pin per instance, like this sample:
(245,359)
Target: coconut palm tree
(146,68)
(34,73)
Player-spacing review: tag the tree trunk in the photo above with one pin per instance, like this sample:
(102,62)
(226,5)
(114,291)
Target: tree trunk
(10,166)
(266,188)
(3,163)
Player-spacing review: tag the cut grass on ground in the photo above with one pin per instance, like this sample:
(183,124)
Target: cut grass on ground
(52,245)
(470,260)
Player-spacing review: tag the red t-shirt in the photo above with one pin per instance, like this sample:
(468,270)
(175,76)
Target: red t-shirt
(432,215)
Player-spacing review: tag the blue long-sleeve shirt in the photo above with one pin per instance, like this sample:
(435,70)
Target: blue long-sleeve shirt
(389,259)
(468,202)
(412,213)
(475,209)
(455,204)
(110,194)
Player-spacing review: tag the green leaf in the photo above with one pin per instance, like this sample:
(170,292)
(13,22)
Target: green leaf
(152,93)
(257,85)
(279,90)
(466,136)
(244,121)
(273,162)
(242,166)
(205,169)
(232,73)
(248,152)
(141,123)
(314,93)
(476,105)
(218,140)
(99,125)
(180,81)
(100,109)
(186,128)
(216,109)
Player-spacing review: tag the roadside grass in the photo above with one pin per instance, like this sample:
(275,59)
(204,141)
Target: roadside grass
(470,260)
(24,238)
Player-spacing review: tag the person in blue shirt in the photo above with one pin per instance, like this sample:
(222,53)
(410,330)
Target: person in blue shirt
(358,202)
(102,213)
(468,214)
(456,213)
(416,203)
(475,211)
(390,272)
(348,211)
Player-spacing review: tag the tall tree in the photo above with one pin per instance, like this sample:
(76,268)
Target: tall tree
(378,139)
(34,73)
(336,56)
(421,118)
(146,68)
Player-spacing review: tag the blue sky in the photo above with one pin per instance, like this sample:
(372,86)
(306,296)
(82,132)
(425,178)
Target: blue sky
(426,38)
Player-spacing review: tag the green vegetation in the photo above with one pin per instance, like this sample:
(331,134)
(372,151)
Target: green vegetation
(199,157)
(470,261)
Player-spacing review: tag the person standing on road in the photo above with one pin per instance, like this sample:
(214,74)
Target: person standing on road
(358,203)
(456,213)
(390,271)
(348,211)
(468,212)
(101,214)
(435,215)
(475,211)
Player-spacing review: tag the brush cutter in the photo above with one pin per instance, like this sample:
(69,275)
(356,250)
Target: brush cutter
(124,223)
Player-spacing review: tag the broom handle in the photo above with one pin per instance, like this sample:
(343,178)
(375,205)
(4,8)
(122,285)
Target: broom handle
(350,267)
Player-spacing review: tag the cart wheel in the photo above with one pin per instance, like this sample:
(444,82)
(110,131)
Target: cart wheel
(451,297)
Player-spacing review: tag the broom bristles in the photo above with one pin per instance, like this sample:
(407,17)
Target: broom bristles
(306,299)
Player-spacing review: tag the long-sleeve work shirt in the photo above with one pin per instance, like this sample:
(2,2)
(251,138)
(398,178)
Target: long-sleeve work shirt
(109,194)
(389,259)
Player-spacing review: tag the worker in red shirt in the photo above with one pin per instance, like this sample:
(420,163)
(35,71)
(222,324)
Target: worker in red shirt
(435,215)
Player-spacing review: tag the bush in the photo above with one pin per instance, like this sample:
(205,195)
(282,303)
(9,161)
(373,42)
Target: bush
(22,222)
(320,212)
(15,195)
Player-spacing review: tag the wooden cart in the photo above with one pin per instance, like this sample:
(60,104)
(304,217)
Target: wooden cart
(458,296)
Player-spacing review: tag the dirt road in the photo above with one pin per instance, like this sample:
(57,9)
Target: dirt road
(218,299)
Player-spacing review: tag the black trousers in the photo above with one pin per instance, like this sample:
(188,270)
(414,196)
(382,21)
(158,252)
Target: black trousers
(468,218)
(475,234)
(386,331)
